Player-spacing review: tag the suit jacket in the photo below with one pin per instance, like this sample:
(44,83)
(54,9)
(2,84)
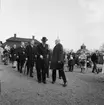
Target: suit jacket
(13,53)
(21,53)
(58,55)
(31,55)
(44,51)
(94,58)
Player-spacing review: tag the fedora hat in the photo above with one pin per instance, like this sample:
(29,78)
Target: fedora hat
(44,39)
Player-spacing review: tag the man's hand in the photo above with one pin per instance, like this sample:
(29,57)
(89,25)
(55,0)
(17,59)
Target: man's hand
(47,56)
(41,56)
(59,61)
(26,59)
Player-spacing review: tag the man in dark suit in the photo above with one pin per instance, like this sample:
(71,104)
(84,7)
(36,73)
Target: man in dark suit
(42,60)
(30,57)
(71,61)
(57,62)
(94,59)
(21,56)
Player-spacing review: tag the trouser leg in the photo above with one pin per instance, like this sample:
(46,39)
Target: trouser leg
(39,74)
(63,75)
(94,67)
(21,66)
(43,74)
(72,67)
(54,75)
(47,72)
(31,71)
(28,69)
(12,63)
(59,74)
(18,65)
(38,68)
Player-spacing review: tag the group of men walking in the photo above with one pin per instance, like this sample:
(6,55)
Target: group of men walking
(38,56)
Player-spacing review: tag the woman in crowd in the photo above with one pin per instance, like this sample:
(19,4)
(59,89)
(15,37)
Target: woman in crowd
(13,56)
(83,59)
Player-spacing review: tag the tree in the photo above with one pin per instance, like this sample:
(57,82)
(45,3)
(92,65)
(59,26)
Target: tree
(102,48)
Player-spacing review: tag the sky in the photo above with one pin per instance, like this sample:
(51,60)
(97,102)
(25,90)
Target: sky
(74,21)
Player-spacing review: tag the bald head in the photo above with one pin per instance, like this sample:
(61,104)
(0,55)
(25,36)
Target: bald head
(57,41)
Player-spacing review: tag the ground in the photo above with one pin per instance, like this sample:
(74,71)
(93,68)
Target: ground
(82,89)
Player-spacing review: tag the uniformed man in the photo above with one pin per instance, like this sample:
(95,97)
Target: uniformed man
(30,57)
(42,60)
(21,55)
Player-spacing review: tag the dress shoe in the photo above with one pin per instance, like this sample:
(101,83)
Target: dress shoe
(59,77)
(47,76)
(44,82)
(13,67)
(53,82)
(65,84)
(20,71)
(31,76)
(39,81)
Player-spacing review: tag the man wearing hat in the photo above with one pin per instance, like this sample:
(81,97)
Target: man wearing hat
(42,60)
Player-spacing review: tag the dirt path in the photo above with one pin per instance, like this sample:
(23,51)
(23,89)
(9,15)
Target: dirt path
(82,89)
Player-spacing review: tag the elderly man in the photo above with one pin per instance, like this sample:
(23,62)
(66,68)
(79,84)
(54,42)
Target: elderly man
(57,62)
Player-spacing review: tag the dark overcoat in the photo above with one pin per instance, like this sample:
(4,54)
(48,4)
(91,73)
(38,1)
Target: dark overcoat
(21,53)
(44,51)
(13,53)
(94,58)
(71,62)
(58,55)
(31,55)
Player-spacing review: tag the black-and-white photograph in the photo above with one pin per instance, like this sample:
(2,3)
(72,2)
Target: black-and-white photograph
(51,52)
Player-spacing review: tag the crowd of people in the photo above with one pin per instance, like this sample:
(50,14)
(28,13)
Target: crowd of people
(25,57)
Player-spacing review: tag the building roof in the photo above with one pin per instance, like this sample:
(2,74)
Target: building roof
(18,39)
